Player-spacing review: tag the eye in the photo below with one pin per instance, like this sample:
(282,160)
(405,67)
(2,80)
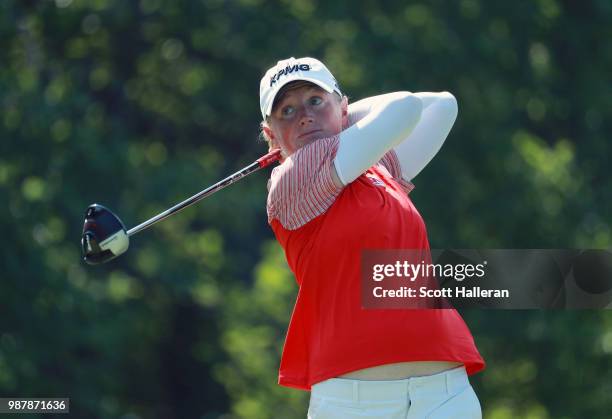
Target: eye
(316,100)
(287,111)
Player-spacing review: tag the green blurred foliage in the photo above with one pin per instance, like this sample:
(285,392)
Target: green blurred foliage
(140,104)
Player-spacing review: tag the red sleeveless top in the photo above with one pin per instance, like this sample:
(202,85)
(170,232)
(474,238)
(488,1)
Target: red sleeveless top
(330,334)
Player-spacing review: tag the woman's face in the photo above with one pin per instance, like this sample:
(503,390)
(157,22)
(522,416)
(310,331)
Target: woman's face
(303,114)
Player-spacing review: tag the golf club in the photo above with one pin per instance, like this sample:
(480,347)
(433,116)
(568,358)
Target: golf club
(105,236)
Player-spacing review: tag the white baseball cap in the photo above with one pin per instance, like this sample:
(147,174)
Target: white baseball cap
(292,69)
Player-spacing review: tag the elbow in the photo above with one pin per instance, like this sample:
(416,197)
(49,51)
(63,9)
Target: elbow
(449,102)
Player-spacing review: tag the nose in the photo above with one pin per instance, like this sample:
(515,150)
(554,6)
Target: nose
(306,117)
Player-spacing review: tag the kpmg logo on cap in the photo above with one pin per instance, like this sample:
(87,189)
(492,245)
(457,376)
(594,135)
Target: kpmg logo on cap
(288,70)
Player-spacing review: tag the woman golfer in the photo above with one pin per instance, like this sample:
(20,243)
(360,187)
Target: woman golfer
(343,186)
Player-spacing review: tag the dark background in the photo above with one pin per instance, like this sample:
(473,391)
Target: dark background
(138,105)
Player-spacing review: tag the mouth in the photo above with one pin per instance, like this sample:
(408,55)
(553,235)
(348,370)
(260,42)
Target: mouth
(309,133)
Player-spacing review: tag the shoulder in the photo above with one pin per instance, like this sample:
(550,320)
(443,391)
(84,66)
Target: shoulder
(303,165)
(391,164)
(302,186)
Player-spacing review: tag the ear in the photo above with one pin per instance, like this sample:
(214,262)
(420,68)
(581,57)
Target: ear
(272,144)
(266,129)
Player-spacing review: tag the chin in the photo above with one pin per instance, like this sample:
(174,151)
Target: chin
(314,137)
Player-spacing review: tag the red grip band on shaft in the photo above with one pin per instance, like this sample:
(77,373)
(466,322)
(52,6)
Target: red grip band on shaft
(269,158)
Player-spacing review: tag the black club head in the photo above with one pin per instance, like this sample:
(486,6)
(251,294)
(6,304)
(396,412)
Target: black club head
(104,235)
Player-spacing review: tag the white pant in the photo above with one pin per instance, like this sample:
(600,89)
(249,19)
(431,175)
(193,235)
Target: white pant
(445,395)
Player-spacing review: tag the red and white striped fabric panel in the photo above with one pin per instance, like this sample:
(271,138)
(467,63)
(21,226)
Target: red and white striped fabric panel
(302,188)
(392,164)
